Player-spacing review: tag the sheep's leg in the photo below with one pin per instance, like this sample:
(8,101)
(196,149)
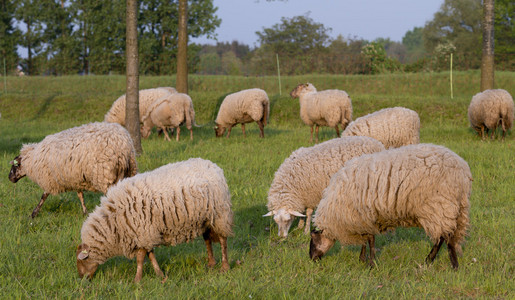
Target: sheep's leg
(81,197)
(140,258)
(311,138)
(482,132)
(371,245)
(434,251)
(225,261)
(191,134)
(261,128)
(167,137)
(178,133)
(158,271)
(309,213)
(38,207)
(316,130)
(301,224)
(211,262)
(243,129)
(362,254)
(229,130)
(337,130)
(453,256)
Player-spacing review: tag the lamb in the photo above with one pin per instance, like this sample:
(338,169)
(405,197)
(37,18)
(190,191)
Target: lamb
(300,180)
(167,206)
(243,107)
(394,127)
(490,109)
(324,108)
(90,157)
(420,185)
(116,113)
(170,111)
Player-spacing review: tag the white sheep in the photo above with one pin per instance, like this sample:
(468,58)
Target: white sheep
(324,108)
(116,113)
(490,109)
(90,157)
(394,127)
(300,180)
(170,111)
(167,206)
(420,185)
(242,107)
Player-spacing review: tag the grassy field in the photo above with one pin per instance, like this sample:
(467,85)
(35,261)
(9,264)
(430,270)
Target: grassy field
(37,256)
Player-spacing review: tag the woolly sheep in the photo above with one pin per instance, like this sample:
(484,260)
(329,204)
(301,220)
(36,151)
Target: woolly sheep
(116,113)
(420,185)
(90,157)
(301,178)
(169,111)
(489,109)
(243,107)
(167,206)
(324,108)
(394,127)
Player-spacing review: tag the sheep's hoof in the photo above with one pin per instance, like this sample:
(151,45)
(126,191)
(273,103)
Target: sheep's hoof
(164,279)
(225,267)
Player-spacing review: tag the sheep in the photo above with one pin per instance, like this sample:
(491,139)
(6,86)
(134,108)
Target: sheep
(116,113)
(243,107)
(324,108)
(167,206)
(170,111)
(394,127)
(90,157)
(301,178)
(490,109)
(420,185)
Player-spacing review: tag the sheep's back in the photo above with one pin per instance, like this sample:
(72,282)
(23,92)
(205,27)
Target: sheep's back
(326,108)
(417,185)
(243,106)
(301,178)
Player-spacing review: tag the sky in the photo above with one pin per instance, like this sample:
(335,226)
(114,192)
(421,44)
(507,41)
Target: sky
(367,19)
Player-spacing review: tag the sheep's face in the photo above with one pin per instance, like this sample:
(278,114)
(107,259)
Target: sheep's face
(319,244)
(219,131)
(284,219)
(299,89)
(85,266)
(16,172)
(145,132)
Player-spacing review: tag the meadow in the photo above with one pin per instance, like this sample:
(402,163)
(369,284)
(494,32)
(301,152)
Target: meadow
(37,256)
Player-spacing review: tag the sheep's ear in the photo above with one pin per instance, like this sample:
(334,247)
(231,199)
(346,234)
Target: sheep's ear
(296,213)
(270,213)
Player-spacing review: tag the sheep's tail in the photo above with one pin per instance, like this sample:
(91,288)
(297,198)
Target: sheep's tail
(266,112)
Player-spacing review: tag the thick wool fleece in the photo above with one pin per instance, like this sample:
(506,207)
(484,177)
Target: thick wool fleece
(394,127)
(300,180)
(420,185)
(116,113)
(170,111)
(324,108)
(489,108)
(90,157)
(244,107)
(167,206)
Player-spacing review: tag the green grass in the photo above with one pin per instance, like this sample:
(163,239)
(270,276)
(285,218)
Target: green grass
(37,256)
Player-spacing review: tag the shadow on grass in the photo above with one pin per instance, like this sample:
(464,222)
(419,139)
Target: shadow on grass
(44,107)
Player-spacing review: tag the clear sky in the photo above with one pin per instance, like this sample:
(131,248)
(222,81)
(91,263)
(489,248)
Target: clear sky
(367,19)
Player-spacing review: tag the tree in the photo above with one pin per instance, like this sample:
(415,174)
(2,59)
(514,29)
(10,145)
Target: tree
(28,13)
(182,49)
(504,35)
(8,35)
(132,102)
(414,44)
(487,60)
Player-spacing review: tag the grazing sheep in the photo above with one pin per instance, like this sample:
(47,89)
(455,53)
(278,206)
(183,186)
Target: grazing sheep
(169,111)
(420,185)
(116,113)
(324,108)
(394,127)
(167,206)
(243,107)
(90,157)
(490,109)
(300,180)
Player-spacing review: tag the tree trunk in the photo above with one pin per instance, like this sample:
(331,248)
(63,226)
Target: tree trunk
(487,60)
(182,48)
(132,121)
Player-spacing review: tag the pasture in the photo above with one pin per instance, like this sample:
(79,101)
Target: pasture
(37,256)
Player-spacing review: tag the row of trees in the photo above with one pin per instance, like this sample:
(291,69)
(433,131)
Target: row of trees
(88,36)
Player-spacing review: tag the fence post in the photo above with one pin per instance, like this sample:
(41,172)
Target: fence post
(5,78)
(278,73)
(451,76)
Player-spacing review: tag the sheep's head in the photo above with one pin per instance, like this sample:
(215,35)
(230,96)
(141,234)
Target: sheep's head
(302,88)
(284,219)
(219,131)
(85,266)
(17,171)
(319,244)
(145,131)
